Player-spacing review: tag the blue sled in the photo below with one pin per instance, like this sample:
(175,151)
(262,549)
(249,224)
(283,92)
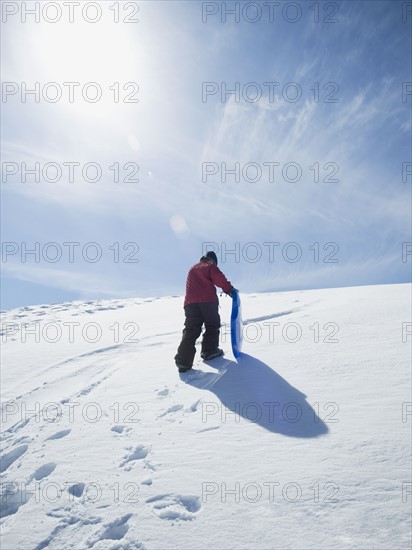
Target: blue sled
(236,325)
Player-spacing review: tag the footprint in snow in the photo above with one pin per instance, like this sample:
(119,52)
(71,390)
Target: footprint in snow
(22,439)
(18,425)
(175,507)
(76,489)
(147,481)
(43,471)
(138,453)
(194,406)
(59,435)
(116,529)
(68,518)
(120,429)
(12,498)
(163,393)
(172,409)
(10,457)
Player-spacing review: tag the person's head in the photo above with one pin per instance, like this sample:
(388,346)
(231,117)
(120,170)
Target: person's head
(210,256)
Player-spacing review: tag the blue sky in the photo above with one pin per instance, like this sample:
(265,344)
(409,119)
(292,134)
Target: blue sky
(171,132)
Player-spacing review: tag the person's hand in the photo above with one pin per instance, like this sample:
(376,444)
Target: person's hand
(232,291)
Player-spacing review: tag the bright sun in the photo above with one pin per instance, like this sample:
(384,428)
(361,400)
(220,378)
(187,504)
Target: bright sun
(97,64)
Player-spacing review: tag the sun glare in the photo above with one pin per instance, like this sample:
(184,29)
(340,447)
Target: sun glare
(94,66)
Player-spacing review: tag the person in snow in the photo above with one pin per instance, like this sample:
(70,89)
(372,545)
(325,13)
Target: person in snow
(201,306)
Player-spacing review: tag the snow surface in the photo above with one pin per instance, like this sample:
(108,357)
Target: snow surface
(300,444)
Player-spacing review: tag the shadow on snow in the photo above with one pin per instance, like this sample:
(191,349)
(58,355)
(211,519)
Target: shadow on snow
(258,394)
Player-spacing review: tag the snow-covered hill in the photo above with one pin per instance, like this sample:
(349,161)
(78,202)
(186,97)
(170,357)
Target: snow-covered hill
(303,443)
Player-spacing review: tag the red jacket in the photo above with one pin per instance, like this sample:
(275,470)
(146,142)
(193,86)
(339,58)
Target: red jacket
(201,281)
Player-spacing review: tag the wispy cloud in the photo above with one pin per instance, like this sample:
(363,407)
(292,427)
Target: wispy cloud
(171,132)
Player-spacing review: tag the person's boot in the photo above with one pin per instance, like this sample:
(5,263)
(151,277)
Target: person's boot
(209,355)
(182,368)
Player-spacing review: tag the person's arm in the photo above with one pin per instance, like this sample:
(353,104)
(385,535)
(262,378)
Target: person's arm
(219,279)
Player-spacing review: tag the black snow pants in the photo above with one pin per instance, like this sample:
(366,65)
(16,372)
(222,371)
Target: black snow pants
(206,313)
